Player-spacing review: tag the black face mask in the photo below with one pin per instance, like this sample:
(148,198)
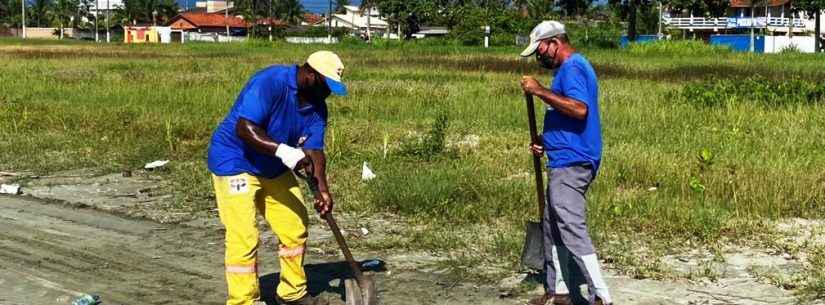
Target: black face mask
(545,61)
(318,92)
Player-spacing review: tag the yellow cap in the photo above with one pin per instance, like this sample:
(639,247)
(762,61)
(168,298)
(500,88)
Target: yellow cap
(331,67)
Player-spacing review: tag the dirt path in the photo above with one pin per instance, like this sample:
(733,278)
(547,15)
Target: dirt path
(51,251)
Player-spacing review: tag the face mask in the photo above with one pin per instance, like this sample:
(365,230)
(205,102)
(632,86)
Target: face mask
(545,61)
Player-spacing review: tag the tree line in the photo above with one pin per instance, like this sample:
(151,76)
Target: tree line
(464,18)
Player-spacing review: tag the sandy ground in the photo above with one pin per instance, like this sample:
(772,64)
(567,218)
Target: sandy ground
(68,236)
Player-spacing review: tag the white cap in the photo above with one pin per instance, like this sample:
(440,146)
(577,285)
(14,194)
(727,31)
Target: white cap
(331,67)
(545,29)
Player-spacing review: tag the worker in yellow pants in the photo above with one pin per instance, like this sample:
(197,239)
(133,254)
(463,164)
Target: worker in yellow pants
(276,125)
(280,202)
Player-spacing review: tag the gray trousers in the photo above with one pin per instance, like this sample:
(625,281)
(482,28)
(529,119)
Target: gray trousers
(565,225)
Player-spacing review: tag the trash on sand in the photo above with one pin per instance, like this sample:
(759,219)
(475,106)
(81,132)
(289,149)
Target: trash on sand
(373,264)
(364,231)
(366,173)
(155,164)
(87,299)
(13,189)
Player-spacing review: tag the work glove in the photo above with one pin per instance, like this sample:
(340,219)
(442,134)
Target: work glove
(290,156)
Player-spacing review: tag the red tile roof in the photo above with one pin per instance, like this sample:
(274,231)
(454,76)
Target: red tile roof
(312,18)
(757,3)
(201,19)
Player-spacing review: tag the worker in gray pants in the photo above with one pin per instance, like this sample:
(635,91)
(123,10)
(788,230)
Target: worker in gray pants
(572,141)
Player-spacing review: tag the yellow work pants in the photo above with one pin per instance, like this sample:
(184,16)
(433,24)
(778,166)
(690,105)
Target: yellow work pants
(281,203)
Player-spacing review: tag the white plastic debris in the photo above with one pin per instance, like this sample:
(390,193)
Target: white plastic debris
(155,164)
(364,231)
(366,173)
(13,189)
(652,189)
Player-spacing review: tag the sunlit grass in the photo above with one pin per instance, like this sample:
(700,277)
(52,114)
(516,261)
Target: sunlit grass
(115,107)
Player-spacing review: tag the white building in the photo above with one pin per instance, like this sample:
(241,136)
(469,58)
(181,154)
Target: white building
(211,6)
(775,16)
(361,22)
(103,6)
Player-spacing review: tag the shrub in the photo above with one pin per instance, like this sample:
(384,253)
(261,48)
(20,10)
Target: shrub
(756,89)
(677,48)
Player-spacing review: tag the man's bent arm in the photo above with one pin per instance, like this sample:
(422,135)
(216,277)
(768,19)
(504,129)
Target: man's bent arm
(567,106)
(255,136)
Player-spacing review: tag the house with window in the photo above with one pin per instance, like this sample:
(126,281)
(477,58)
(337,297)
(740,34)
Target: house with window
(198,25)
(361,22)
(767,26)
(774,16)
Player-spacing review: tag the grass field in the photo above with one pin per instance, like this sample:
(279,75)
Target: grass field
(721,170)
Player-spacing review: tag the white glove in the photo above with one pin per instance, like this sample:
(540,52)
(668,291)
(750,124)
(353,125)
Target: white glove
(290,156)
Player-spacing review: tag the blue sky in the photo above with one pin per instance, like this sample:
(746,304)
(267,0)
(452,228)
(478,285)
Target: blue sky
(321,6)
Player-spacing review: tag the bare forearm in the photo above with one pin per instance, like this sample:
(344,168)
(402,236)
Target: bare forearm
(319,163)
(256,137)
(567,106)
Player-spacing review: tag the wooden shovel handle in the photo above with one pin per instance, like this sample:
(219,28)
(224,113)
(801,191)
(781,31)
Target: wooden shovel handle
(537,167)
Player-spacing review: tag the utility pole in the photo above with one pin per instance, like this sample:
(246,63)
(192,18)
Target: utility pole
(97,12)
(270,20)
(329,21)
(752,24)
(108,36)
(659,34)
(23,4)
(817,31)
(226,17)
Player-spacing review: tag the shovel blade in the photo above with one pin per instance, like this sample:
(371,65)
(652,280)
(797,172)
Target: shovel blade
(368,290)
(353,292)
(532,255)
(361,293)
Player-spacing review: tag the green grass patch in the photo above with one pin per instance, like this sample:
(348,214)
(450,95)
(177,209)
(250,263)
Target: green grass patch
(672,173)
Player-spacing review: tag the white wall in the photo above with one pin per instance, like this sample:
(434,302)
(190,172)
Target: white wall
(775,44)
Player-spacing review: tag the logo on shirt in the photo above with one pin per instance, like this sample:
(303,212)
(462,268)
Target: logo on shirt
(302,140)
(238,185)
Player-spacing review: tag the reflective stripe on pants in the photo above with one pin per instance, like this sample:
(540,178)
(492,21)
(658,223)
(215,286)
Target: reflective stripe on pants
(240,199)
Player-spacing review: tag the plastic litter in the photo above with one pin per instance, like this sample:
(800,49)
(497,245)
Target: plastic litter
(87,299)
(13,189)
(156,164)
(371,264)
(366,173)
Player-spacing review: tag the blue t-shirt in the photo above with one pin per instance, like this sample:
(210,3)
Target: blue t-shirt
(270,100)
(570,141)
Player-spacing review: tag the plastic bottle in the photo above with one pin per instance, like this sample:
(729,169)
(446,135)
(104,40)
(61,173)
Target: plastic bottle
(87,299)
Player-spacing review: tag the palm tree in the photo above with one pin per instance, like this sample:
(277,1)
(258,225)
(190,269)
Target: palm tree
(5,15)
(339,6)
(41,11)
(140,11)
(63,11)
(367,6)
(291,11)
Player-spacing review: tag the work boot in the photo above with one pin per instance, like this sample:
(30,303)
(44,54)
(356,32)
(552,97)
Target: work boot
(540,300)
(559,299)
(305,300)
(562,299)
(599,301)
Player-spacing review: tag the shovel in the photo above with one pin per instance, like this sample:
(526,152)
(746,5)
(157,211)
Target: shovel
(532,255)
(360,290)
